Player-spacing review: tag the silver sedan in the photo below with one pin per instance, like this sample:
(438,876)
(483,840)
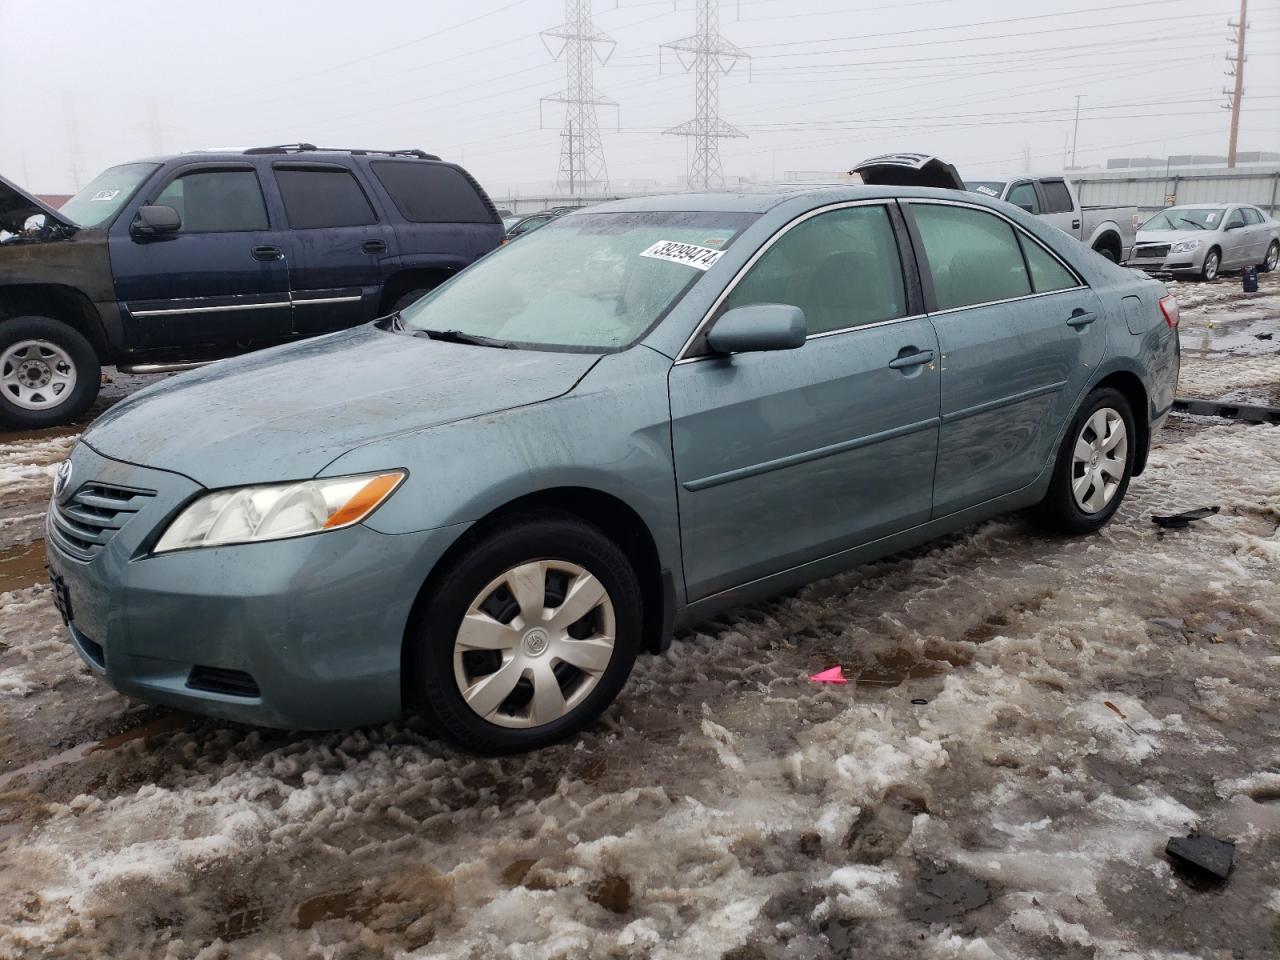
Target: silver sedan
(1205,239)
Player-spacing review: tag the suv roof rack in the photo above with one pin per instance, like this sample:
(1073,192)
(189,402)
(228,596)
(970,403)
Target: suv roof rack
(311,147)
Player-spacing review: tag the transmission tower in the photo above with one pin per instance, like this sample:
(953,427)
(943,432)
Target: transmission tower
(1237,70)
(577,40)
(707,55)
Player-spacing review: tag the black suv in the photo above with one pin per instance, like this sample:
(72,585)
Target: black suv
(179,260)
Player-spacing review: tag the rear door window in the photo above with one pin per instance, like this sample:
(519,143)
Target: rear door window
(841,268)
(1057,198)
(1047,274)
(431,192)
(323,198)
(973,256)
(216,201)
(1251,216)
(1024,196)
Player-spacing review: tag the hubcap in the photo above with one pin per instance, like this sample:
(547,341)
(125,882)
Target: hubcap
(1273,255)
(36,374)
(1098,462)
(1211,266)
(534,643)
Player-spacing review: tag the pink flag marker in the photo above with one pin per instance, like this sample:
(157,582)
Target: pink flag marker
(834,675)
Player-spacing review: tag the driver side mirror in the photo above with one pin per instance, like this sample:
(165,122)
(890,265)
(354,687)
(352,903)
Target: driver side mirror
(156,220)
(760,326)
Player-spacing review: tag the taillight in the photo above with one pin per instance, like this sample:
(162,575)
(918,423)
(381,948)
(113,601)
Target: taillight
(1169,307)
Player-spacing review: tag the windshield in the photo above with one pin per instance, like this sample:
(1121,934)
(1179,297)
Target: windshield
(990,188)
(591,281)
(1184,218)
(110,190)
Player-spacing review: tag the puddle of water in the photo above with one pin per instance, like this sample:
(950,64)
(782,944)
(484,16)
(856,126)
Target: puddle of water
(1233,332)
(612,892)
(946,894)
(164,724)
(891,669)
(343,905)
(22,566)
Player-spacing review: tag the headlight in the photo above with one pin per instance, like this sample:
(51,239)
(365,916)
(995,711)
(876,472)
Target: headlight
(1184,246)
(277,511)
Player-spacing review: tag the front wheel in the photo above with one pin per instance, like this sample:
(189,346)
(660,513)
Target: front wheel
(1212,264)
(1095,462)
(529,635)
(1272,257)
(49,373)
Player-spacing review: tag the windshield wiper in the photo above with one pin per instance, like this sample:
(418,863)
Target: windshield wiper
(457,336)
(392,322)
(1198,226)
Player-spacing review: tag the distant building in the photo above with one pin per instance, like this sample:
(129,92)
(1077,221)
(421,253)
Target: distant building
(1190,160)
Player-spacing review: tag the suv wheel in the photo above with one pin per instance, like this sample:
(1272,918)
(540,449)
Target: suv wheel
(1093,468)
(49,373)
(529,635)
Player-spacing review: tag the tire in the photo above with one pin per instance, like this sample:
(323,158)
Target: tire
(1272,258)
(524,662)
(1061,509)
(49,373)
(1212,265)
(1108,253)
(405,299)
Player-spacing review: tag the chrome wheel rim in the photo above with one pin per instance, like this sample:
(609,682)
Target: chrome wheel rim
(1211,266)
(1273,255)
(36,374)
(534,643)
(1098,461)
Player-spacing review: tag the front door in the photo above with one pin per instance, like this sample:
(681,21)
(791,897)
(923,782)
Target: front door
(789,456)
(221,278)
(341,250)
(1020,336)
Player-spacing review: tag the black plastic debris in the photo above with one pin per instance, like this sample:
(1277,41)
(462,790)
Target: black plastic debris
(1206,855)
(1176,521)
(1263,336)
(1249,280)
(919,701)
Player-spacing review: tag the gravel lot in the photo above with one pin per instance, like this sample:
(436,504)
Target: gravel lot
(1032,719)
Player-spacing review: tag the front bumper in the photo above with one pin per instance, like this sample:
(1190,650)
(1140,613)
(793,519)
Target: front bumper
(300,634)
(1168,263)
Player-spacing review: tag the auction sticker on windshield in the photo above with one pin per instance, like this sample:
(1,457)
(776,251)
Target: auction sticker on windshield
(691,255)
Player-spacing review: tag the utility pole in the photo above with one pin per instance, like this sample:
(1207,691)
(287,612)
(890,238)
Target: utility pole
(1075,132)
(582,46)
(708,55)
(1237,70)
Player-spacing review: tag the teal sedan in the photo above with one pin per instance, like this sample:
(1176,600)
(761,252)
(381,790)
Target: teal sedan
(486,506)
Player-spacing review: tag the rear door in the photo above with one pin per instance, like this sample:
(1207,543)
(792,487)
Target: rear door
(1236,245)
(1056,206)
(1259,236)
(342,247)
(222,277)
(789,456)
(1019,339)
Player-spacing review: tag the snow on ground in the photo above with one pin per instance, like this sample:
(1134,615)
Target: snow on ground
(1084,701)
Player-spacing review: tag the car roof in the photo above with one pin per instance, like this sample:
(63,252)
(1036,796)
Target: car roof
(763,199)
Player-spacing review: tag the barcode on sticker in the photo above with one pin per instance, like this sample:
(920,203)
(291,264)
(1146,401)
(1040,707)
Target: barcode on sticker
(691,255)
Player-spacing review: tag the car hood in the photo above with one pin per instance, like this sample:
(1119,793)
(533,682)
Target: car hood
(284,413)
(16,206)
(1171,236)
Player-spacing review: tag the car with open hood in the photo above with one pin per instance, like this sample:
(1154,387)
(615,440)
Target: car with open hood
(167,263)
(487,504)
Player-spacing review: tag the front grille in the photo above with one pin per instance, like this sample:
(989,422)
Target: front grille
(231,683)
(85,524)
(1151,251)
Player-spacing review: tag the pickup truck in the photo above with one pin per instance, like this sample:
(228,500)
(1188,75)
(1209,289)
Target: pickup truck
(174,261)
(1108,230)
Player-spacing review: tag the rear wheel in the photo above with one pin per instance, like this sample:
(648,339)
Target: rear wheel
(1093,468)
(1212,264)
(1109,253)
(529,635)
(1272,258)
(49,373)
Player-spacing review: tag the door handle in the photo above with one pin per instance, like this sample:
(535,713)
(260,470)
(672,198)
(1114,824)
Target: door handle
(374,246)
(267,253)
(1080,319)
(1075,224)
(911,360)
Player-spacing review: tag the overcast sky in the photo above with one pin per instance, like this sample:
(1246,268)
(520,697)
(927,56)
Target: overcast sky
(988,84)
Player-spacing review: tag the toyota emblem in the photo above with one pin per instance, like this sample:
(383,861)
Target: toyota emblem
(62,478)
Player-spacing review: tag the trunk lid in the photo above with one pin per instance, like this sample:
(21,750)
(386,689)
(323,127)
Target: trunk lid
(909,170)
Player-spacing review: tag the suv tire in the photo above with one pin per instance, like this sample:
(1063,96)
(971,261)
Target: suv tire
(491,621)
(1085,491)
(49,373)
